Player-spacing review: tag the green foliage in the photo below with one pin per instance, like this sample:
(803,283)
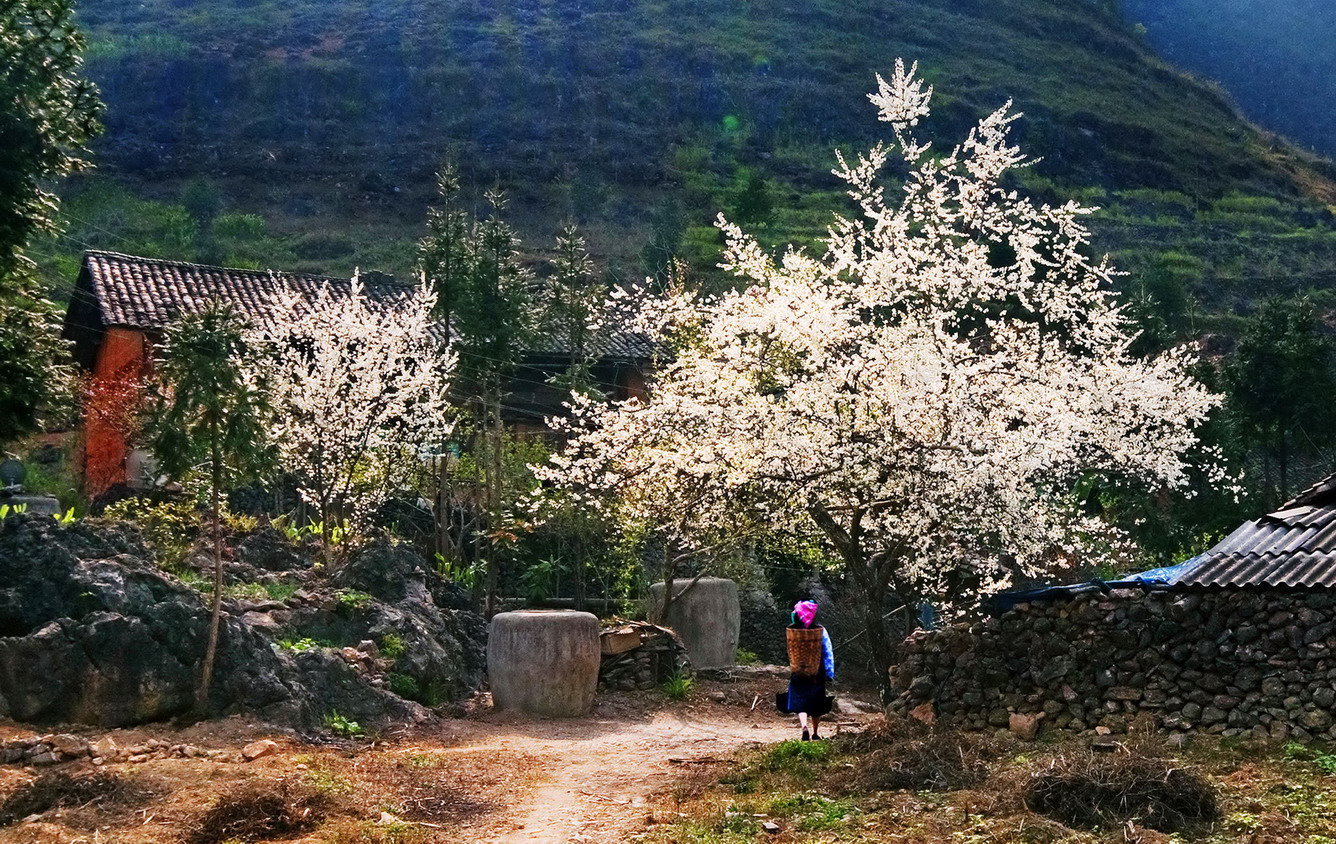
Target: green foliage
(48,113)
(539,580)
(169,527)
(343,727)
(303,646)
(404,686)
(7,510)
(458,572)
(392,646)
(1279,384)
(678,687)
(795,754)
(746,657)
(208,415)
(351,599)
(1324,762)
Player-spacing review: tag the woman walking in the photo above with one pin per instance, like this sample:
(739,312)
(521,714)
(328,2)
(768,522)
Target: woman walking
(811,664)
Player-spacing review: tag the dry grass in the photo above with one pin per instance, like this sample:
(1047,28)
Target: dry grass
(62,790)
(916,758)
(259,810)
(1085,789)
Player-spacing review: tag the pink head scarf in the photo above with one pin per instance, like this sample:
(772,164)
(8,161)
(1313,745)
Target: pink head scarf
(805,611)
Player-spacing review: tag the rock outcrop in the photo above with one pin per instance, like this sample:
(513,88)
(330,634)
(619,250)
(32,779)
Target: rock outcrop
(92,633)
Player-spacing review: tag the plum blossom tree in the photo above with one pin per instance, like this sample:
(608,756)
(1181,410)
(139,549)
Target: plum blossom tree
(358,390)
(923,396)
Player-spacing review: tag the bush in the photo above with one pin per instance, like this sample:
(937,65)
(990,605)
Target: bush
(169,527)
(259,811)
(1090,790)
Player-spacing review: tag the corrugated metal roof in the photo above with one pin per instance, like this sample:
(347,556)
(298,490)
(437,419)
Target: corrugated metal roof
(150,293)
(1292,547)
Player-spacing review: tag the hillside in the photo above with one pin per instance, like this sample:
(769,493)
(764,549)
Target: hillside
(1275,56)
(314,127)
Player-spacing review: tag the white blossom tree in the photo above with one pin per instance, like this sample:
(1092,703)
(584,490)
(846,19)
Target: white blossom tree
(358,390)
(923,395)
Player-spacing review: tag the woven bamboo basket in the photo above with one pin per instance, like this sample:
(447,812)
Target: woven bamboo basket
(804,650)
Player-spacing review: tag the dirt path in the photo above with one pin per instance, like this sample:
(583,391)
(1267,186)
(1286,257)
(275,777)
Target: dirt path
(596,774)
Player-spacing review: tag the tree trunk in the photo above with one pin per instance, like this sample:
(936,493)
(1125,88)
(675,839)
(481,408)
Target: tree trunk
(215,617)
(494,499)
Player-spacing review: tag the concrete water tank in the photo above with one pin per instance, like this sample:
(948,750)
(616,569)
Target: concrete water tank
(707,618)
(543,662)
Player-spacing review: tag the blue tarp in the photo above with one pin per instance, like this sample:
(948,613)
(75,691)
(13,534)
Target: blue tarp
(1160,578)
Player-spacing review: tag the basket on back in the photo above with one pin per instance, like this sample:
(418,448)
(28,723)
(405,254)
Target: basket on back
(805,650)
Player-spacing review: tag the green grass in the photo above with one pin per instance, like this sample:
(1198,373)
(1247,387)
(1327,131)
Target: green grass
(678,687)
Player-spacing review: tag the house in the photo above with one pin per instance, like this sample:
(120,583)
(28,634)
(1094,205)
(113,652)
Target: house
(121,303)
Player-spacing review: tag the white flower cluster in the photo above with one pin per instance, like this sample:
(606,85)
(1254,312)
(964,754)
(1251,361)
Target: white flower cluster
(358,391)
(925,393)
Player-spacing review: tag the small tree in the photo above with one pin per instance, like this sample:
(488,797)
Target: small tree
(208,423)
(573,310)
(923,397)
(493,323)
(358,394)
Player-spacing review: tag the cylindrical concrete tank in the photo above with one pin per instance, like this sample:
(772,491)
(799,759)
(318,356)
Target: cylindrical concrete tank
(707,618)
(543,662)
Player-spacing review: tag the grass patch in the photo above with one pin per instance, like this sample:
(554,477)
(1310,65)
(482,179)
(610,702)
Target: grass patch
(678,687)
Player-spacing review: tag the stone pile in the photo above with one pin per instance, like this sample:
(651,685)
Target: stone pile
(53,749)
(1229,662)
(660,655)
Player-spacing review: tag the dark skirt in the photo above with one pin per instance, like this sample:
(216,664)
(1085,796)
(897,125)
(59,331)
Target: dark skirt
(806,694)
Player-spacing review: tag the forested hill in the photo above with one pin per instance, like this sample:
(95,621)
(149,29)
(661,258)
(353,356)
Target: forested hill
(1277,57)
(641,119)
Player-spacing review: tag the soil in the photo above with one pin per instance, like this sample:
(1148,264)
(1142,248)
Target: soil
(485,777)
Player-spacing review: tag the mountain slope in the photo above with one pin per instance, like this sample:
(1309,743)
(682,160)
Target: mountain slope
(640,118)
(1277,57)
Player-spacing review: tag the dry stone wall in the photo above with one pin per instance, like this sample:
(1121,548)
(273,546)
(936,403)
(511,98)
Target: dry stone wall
(1229,662)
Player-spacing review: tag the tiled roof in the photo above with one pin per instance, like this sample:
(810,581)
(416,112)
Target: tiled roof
(149,293)
(1292,547)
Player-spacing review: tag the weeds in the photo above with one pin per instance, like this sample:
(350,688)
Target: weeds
(392,646)
(343,727)
(678,686)
(917,759)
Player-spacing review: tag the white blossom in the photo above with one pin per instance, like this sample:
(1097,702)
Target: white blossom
(924,394)
(358,390)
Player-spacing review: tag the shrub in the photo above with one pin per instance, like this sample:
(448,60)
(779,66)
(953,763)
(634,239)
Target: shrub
(746,657)
(343,727)
(169,527)
(392,646)
(259,811)
(1085,789)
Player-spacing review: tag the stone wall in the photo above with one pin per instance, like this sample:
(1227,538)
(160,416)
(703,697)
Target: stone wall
(1230,662)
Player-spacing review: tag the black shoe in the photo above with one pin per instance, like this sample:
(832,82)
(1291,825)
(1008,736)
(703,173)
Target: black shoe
(806,735)
(817,738)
